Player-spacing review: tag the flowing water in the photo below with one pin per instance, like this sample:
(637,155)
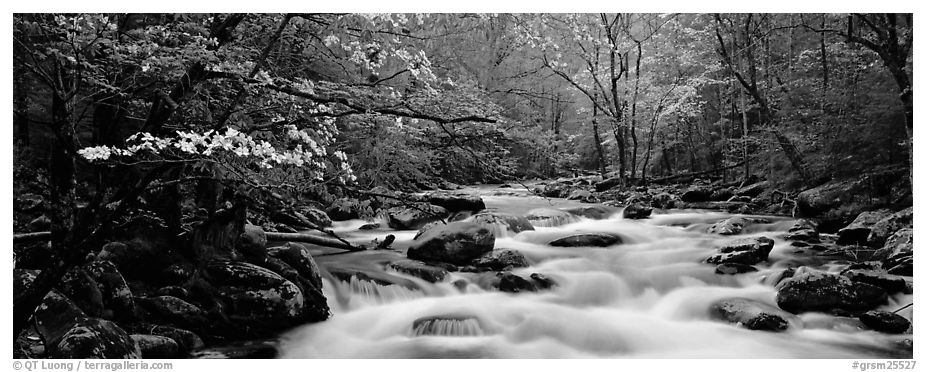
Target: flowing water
(647,298)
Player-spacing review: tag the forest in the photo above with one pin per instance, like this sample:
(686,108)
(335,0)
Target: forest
(208,182)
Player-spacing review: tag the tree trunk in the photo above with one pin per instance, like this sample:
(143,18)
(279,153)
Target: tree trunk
(598,147)
(633,114)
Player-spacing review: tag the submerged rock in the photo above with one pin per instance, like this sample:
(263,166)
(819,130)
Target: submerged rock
(447,325)
(420,269)
(501,223)
(548,217)
(857,232)
(818,291)
(594,212)
(883,321)
(501,259)
(744,251)
(751,314)
(588,240)
(456,243)
(734,268)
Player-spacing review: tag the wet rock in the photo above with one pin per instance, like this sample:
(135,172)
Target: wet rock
(252,349)
(887,226)
(116,295)
(369,226)
(501,223)
(156,347)
(542,281)
(456,203)
(607,184)
(547,217)
(85,291)
(93,338)
(420,269)
(174,311)
(588,240)
(890,283)
(406,218)
(751,314)
(900,264)
(316,216)
(899,243)
(730,226)
(594,212)
(696,194)
(258,301)
(252,243)
(582,195)
(636,211)
(459,216)
(748,251)
(818,291)
(342,210)
(456,243)
(509,282)
(186,341)
(857,232)
(883,321)
(733,269)
(298,257)
(804,231)
(501,259)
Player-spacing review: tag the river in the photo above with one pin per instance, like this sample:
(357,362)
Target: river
(647,298)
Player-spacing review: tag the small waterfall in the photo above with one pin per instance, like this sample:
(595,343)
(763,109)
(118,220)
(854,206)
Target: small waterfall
(548,217)
(372,292)
(446,326)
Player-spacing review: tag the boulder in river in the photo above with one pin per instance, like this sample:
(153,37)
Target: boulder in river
(748,251)
(501,259)
(883,321)
(819,291)
(456,203)
(636,211)
(408,218)
(751,314)
(752,190)
(342,210)
(588,240)
(457,243)
(729,226)
(857,232)
(583,196)
(664,200)
(316,216)
(887,226)
(174,311)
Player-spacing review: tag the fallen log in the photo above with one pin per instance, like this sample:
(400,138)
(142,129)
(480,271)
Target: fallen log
(312,239)
(694,174)
(31,237)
